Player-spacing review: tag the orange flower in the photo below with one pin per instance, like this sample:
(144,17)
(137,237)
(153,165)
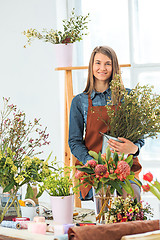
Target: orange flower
(22,203)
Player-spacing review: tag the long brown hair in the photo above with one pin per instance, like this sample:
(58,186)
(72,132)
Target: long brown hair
(109,52)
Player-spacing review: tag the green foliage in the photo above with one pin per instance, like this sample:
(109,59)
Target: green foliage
(73,31)
(15,173)
(59,182)
(138,114)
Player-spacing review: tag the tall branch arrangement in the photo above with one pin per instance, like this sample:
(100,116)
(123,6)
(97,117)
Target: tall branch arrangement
(136,114)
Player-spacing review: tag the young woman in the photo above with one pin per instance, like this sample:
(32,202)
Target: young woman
(84,126)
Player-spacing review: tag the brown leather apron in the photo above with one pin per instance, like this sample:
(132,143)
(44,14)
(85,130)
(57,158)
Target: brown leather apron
(97,118)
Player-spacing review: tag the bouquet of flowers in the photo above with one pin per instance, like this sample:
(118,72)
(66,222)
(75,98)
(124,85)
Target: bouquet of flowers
(107,174)
(151,186)
(104,170)
(124,210)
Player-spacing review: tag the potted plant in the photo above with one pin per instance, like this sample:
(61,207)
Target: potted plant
(73,31)
(107,174)
(59,185)
(19,143)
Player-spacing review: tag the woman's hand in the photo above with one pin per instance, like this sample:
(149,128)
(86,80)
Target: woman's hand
(127,147)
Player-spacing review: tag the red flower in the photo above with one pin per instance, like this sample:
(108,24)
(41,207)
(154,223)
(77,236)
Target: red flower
(146,188)
(124,219)
(148,177)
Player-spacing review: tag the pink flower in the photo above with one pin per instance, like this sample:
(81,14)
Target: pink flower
(148,177)
(100,170)
(92,163)
(79,174)
(123,170)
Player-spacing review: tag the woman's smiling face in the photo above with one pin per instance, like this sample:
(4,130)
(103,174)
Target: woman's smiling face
(102,67)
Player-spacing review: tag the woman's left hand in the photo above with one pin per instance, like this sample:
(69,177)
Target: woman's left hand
(127,147)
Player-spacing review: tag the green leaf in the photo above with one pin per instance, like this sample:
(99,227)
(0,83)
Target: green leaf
(9,187)
(49,157)
(116,186)
(122,157)
(93,154)
(29,192)
(129,159)
(99,186)
(113,176)
(126,185)
(130,177)
(115,158)
(157,185)
(85,169)
(108,154)
(39,194)
(100,159)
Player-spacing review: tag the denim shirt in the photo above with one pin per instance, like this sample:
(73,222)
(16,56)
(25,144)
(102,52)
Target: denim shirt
(78,122)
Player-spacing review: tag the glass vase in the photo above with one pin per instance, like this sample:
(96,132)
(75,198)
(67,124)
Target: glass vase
(102,200)
(9,206)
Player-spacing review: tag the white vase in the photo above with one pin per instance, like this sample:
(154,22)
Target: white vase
(63,54)
(62,208)
(29,212)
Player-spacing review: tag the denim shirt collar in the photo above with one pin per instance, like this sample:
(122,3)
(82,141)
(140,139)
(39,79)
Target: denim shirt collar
(94,93)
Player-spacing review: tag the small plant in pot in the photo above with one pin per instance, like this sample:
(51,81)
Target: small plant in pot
(59,185)
(73,31)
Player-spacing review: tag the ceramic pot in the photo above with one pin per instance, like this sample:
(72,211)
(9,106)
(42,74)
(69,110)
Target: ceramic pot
(62,208)
(63,54)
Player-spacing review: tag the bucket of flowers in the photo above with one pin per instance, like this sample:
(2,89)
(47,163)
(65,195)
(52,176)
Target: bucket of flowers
(107,174)
(128,209)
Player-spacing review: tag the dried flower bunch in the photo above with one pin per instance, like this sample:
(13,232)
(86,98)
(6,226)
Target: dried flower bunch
(137,115)
(73,30)
(104,170)
(24,139)
(128,209)
(151,186)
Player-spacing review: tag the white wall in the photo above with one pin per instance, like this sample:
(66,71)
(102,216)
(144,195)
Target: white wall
(27,75)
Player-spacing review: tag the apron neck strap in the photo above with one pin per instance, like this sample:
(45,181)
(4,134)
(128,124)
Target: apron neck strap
(89,101)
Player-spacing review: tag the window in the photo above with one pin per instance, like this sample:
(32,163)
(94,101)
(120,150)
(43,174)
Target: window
(130,28)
